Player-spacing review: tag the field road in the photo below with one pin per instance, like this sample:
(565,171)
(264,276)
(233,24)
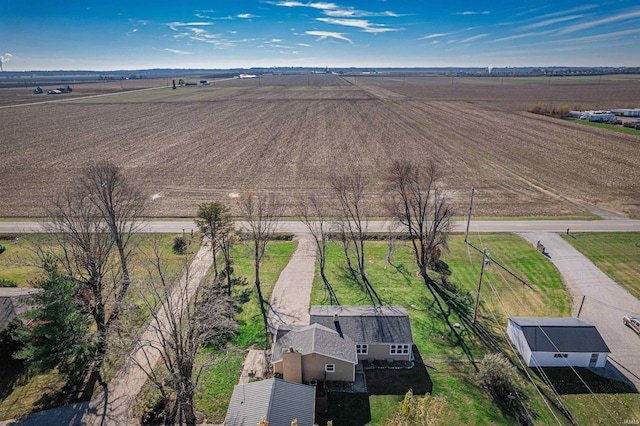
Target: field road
(605,302)
(296,227)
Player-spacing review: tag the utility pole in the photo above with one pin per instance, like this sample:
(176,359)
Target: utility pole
(466,234)
(475,311)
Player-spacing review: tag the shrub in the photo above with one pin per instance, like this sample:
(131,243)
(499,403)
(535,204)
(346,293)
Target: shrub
(7,283)
(496,375)
(179,245)
(2,248)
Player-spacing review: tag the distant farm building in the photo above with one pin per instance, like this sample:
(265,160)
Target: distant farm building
(558,342)
(598,116)
(635,112)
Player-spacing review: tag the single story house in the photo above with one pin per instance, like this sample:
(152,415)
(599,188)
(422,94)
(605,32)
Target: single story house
(558,342)
(379,332)
(303,354)
(277,401)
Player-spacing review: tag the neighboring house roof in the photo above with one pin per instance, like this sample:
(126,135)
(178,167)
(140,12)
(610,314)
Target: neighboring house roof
(314,338)
(560,335)
(366,324)
(279,402)
(13,302)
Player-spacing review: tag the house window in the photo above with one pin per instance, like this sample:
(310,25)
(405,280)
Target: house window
(362,349)
(399,349)
(560,355)
(330,368)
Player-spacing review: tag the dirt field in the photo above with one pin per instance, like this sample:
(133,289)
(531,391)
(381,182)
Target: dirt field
(287,134)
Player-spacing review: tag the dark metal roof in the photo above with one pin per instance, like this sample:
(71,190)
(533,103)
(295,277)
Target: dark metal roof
(560,335)
(314,338)
(366,324)
(279,402)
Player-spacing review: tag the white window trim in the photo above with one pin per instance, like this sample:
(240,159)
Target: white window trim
(399,349)
(329,368)
(362,349)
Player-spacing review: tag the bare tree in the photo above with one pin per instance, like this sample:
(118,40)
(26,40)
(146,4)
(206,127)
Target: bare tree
(313,213)
(214,221)
(349,189)
(180,320)
(260,213)
(227,238)
(93,224)
(120,206)
(422,209)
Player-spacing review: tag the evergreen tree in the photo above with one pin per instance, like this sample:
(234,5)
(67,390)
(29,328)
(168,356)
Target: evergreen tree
(58,335)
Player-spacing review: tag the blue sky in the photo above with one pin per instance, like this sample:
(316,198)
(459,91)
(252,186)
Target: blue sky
(111,35)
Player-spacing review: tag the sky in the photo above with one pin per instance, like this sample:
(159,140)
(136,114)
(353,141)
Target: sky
(121,35)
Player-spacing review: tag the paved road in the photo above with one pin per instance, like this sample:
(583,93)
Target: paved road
(296,227)
(605,302)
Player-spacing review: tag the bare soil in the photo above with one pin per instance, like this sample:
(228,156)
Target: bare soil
(287,135)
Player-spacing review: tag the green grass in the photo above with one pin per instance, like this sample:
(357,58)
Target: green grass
(613,127)
(217,382)
(614,253)
(451,370)
(16,260)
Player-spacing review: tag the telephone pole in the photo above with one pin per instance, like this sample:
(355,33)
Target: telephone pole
(475,311)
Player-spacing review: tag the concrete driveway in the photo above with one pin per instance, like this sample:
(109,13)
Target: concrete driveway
(605,302)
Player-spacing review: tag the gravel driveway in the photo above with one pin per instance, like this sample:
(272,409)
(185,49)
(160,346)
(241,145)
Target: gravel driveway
(605,302)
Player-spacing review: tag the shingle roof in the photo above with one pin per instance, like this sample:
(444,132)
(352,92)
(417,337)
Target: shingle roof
(277,401)
(366,324)
(561,335)
(314,338)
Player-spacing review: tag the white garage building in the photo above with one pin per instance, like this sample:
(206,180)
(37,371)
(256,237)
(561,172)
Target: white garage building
(558,342)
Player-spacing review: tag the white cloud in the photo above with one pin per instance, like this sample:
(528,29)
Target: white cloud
(317,5)
(434,36)
(476,37)
(177,52)
(468,12)
(350,12)
(246,16)
(550,22)
(289,4)
(584,26)
(175,25)
(533,34)
(328,34)
(323,6)
(304,45)
(364,24)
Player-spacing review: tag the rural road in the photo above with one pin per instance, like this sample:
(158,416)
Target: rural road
(296,227)
(605,301)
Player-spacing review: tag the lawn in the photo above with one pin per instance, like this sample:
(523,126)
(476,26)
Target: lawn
(613,127)
(616,254)
(22,393)
(451,360)
(16,259)
(217,382)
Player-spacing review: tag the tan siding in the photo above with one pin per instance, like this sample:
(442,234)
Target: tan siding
(381,352)
(313,368)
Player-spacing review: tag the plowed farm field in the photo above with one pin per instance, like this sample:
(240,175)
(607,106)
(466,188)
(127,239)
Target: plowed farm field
(287,135)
